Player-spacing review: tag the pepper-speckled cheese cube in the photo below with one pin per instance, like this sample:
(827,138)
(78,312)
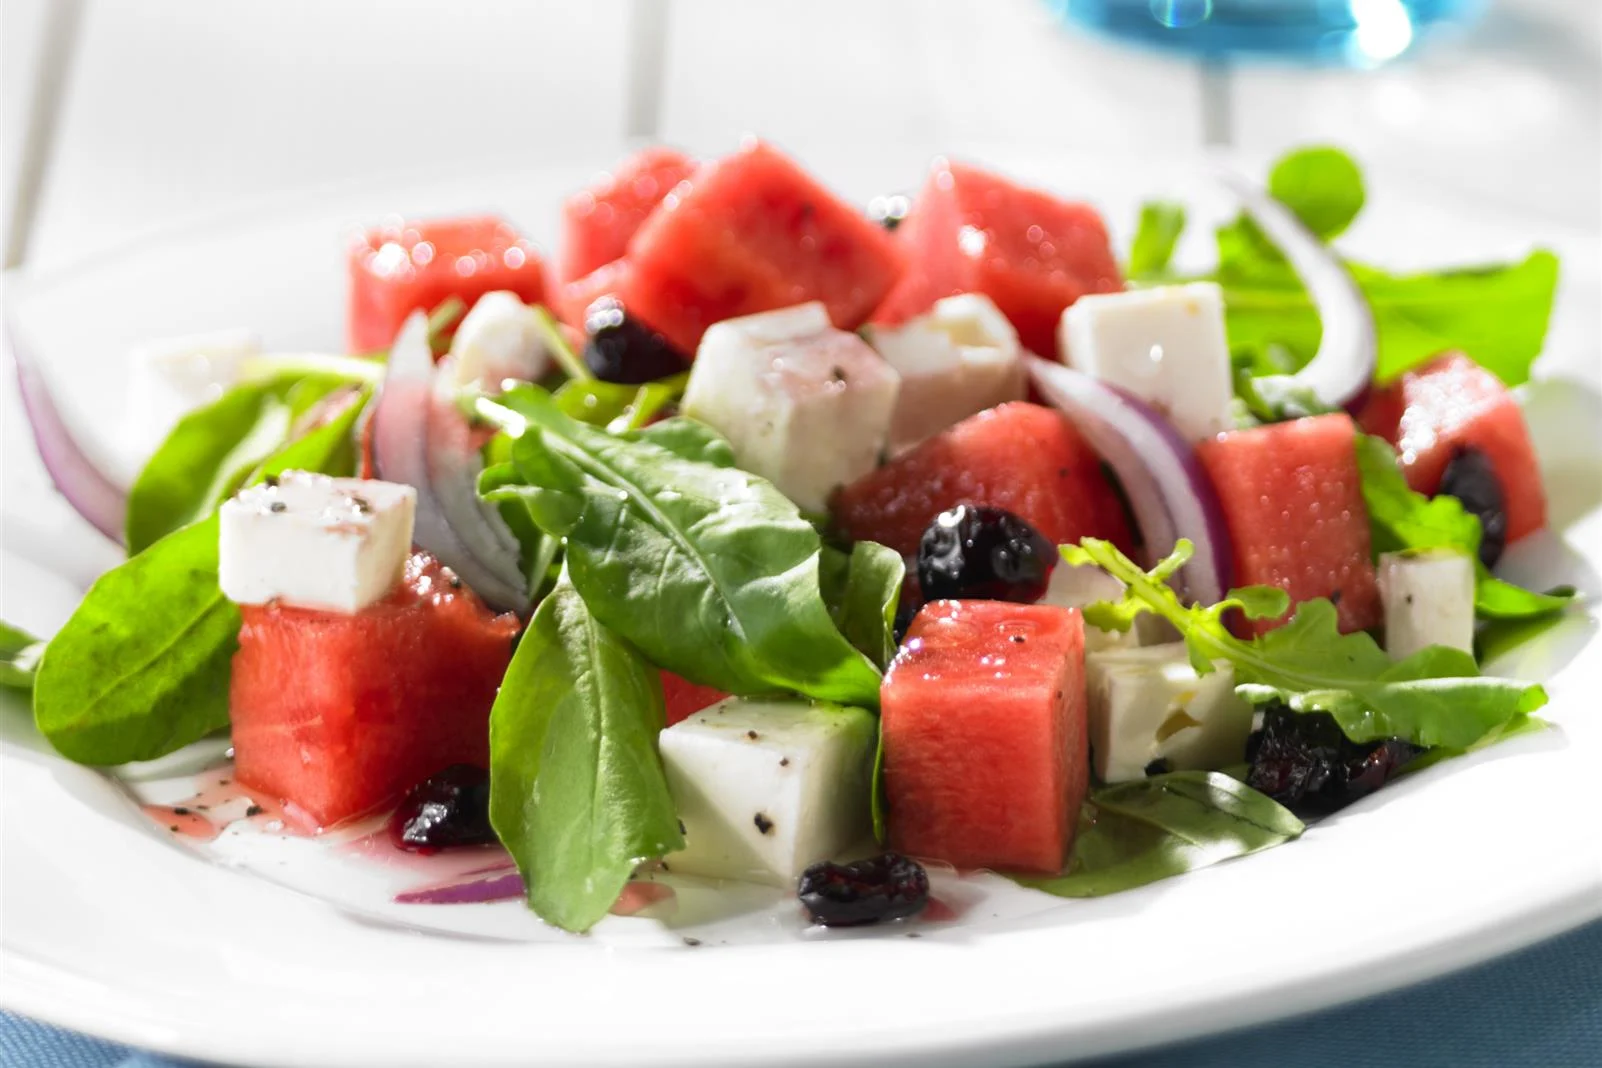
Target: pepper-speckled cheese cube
(1149,704)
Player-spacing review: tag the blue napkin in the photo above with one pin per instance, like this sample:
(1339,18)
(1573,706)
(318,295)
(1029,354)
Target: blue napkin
(1541,1008)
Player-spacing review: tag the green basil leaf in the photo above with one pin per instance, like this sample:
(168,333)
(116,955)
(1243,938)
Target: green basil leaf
(1161,224)
(142,667)
(1137,833)
(577,792)
(19,657)
(862,589)
(707,569)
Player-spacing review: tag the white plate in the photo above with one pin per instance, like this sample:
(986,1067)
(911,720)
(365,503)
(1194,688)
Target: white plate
(113,925)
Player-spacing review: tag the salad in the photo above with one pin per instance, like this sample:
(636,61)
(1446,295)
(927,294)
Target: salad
(767,539)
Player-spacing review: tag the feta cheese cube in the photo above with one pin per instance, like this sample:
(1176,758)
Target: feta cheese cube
(1165,345)
(1428,599)
(499,338)
(1076,587)
(959,359)
(335,544)
(804,405)
(170,378)
(1149,704)
(765,788)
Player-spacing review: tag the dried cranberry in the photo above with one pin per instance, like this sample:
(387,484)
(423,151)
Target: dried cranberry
(619,348)
(984,554)
(1305,762)
(886,887)
(1471,478)
(444,810)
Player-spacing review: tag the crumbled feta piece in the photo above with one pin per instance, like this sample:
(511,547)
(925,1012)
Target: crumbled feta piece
(1428,599)
(1149,704)
(1073,586)
(336,544)
(1165,345)
(170,378)
(498,339)
(804,405)
(959,359)
(765,788)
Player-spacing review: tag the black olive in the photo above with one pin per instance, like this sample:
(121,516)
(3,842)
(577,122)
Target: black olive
(619,348)
(1471,478)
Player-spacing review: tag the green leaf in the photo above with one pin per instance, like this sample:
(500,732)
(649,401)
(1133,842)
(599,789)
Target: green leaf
(618,408)
(1136,833)
(862,589)
(577,793)
(1323,186)
(707,569)
(142,667)
(556,344)
(19,657)
(1435,697)
(1161,224)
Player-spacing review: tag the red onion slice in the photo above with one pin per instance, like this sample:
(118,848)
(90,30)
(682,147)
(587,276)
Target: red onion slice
(477,890)
(1167,489)
(1340,371)
(95,496)
(423,441)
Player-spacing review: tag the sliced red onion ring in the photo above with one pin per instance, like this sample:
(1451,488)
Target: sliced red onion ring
(422,440)
(1168,491)
(1340,372)
(477,890)
(95,496)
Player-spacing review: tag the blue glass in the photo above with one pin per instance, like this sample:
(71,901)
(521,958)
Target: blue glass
(1355,32)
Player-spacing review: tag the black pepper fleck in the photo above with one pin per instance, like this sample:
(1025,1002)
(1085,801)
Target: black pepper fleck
(180,810)
(837,374)
(784,762)
(691,941)
(173,828)
(270,481)
(1019,638)
(1409,598)
(360,504)
(753,735)
(253,810)
(763,824)
(277,506)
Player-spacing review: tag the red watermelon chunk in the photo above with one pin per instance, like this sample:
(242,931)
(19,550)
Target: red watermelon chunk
(1022,457)
(986,757)
(339,714)
(1293,501)
(684,698)
(971,231)
(598,222)
(404,267)
(752,233)
(1450,404)
(574,298)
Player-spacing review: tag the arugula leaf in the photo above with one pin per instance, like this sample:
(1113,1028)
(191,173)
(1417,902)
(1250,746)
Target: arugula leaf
(556,344)
(1403,520)
(1322,185)
(577,792)
(142,667)
(862,589)
(19,657)
(1136,833)
(618,408)
(707,569)
(1435,697)
(1161,224)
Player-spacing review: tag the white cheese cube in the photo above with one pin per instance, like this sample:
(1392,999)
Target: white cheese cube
(335,544)
(804,405)
(170,378)
(499,338)
(1076,587)
(765,788)
(1428,599)
(959,359)
(1149,704)
(1165,345)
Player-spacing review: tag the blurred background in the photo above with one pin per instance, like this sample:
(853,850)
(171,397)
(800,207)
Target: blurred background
(121,117)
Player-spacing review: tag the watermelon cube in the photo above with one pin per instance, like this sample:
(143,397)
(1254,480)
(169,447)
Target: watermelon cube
(1031,253)
(1293,501)
(339,714)
(1450,404)
(403,267)
(574,298)
(986,757)
(597,222)
(750,233)
(1021,457)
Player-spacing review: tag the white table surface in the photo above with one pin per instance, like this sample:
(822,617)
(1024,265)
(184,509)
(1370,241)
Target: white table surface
(176,108)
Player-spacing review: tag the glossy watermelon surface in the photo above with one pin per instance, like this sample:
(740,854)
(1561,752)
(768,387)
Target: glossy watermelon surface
(338,715)
(598,222)
(1033,254)
(750,233)
(1022,457)
(986,755)
(405,266)
(1293,501)
(1450,404)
